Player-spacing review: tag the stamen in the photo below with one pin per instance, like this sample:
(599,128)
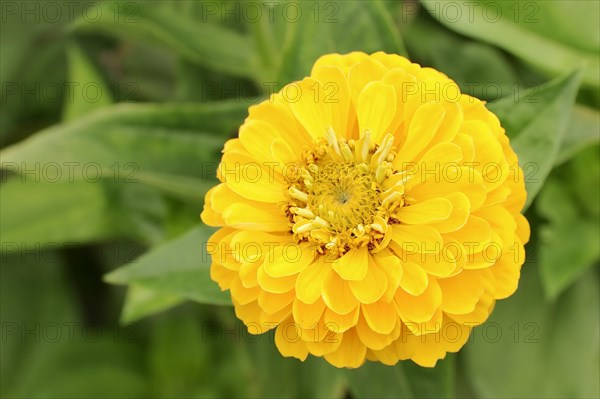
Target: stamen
(332,140)
(297,194)
(381,172)
(361,149)
(347,152)
(304,212)
(349,190)
(383,151)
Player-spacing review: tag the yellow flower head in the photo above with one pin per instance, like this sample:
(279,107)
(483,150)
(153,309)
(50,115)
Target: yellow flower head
(369,211)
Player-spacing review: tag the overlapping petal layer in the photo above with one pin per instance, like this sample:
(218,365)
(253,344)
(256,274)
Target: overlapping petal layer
(368,212)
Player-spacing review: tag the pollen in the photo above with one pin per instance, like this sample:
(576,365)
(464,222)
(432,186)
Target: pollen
(339,201)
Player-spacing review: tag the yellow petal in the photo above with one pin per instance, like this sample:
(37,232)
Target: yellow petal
(249,313)
(400,80)
(380,316)
(393,60)
(414,279)
(415,239)
(248,273)
(507,273)
(222,275)
(351,353)
(337,294)
(310,281)
(340,323)
(353,264)
(460,293)
(439,264)
(343,61)
(430,348)
(422,128)
(307,315)
(253,134)
(273,303)
(331,342)
(425,212)
(420,308)
(242,294)
(372,339)
(278,285)
(363,73)
(454,179)
(371,288)
(376,109)
(288,341)
(276,111)
(288,260)
(252,179)
(475,235)
(247,217)
(337,94)
(307,101)
(461,208)
(390,265)
(209,215)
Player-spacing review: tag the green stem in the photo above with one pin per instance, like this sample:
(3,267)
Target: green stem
(449,376)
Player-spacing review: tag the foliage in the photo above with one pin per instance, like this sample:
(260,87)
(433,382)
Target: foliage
(111,125)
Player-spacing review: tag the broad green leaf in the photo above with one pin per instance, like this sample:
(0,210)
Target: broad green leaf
(481,70)
(528,30)
(569,242)
(583,131)
(32,77)
(132,143)
(583,173)
(42,213)
(536,122)
(531,348)
(199,41)
(334,26)
(141,302)
(89,91)
(38,213)
(180,267)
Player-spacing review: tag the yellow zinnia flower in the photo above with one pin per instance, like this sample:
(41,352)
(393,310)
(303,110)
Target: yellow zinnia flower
(369,211)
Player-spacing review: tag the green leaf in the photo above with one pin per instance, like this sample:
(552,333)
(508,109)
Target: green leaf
(583,131)
(481,70)
(55,213)
(529,31)
(131,143)
(530,348)
(324,28)
(375,380)
(141,302)
(536,122)
(90,92)
(200,41)
(570,240)
(37,213)
(180,267)
(583,172)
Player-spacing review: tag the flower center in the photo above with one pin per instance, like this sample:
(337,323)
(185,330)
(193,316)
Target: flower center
(344,194)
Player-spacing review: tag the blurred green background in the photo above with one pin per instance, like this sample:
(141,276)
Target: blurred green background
(113,115)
